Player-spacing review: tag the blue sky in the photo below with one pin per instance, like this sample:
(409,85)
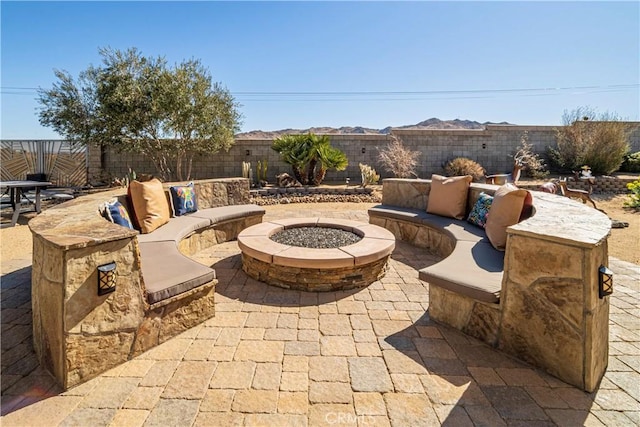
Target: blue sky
(372,64)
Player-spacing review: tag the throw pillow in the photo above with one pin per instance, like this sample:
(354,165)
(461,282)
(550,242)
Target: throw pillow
(527,207)
(115,212)
(184,199)
(448,195)
(478,215)
(506,209)
(150,207)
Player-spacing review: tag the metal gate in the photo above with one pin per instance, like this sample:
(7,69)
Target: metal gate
(64,164)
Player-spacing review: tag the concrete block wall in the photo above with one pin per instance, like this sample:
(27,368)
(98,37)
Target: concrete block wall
(491,147)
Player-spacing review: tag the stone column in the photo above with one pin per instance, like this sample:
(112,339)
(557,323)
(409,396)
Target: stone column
(77,333)
(552,315)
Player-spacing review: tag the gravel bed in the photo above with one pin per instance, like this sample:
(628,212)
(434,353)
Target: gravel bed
(278,199)
(315,237)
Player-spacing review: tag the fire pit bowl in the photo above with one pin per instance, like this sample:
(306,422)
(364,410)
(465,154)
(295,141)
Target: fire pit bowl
(311,269)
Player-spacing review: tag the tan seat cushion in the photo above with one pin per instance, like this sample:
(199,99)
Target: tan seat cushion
(167,273)
(448,196)
(175,230)
(506,209)
(227,213)
(150,206)
(473,269)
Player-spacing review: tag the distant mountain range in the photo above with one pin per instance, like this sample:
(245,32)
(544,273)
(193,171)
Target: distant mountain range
(432,123)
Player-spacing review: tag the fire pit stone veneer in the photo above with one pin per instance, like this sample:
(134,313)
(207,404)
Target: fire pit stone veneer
(308,269)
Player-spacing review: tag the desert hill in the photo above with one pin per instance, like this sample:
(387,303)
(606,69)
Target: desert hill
(432,123)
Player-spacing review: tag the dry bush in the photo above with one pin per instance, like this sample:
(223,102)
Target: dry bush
(398,160)
(599,141)
(463,166)
(533,165)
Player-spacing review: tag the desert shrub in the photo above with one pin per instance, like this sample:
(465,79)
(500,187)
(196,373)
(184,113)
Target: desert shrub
(368,174)
(398,160)
(534,166)
(463,166)
(631,162)
(600,141)
(633,198)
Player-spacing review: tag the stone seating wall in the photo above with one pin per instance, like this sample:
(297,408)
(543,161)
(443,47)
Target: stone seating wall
(549,311)
(79,334)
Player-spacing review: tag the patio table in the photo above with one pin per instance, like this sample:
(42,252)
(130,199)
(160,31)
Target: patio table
(17,191)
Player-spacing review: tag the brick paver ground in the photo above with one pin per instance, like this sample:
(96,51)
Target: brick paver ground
(272,357)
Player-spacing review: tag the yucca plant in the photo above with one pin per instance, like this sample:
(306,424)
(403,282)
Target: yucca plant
(310,156)
(328,158)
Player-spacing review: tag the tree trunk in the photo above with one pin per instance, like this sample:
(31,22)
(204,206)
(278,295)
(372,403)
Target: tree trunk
(311,171)
(179,159)
(320,174)
(298,174)
(189,166)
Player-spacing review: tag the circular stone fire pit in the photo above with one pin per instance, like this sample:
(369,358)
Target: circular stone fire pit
(309,269)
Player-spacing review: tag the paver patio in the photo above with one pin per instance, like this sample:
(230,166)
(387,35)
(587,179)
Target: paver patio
(275,357)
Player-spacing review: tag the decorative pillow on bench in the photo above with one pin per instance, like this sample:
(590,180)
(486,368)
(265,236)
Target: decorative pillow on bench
(149,203)
(506,209)
(115,212)
(448,195)
(184,199)
(478,215)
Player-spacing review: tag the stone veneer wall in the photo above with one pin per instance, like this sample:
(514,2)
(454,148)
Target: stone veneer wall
(550,313)
(491,147)
(78,334)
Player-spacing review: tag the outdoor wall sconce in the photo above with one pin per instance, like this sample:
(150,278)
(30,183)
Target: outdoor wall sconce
(106,278)
(605,281)
(247,152)
(363,150)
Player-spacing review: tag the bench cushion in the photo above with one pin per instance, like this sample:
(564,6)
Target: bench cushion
(458,229)
(403,214)
(175,230)
(226,213)
(473,269)
(167,273)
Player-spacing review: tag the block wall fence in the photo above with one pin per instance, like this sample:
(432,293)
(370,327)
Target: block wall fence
(492,147)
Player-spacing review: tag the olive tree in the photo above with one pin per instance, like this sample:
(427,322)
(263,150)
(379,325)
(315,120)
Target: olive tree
(141,105)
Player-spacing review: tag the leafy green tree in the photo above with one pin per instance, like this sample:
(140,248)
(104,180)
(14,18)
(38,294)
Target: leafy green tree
(140,104)
(310,156)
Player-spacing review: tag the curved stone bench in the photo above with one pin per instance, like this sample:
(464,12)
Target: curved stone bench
(159,293)
(539,303)
(166,269)
(470,265)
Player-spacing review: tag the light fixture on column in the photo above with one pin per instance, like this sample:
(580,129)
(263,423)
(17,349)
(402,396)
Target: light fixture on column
(106,278)
(605,281)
